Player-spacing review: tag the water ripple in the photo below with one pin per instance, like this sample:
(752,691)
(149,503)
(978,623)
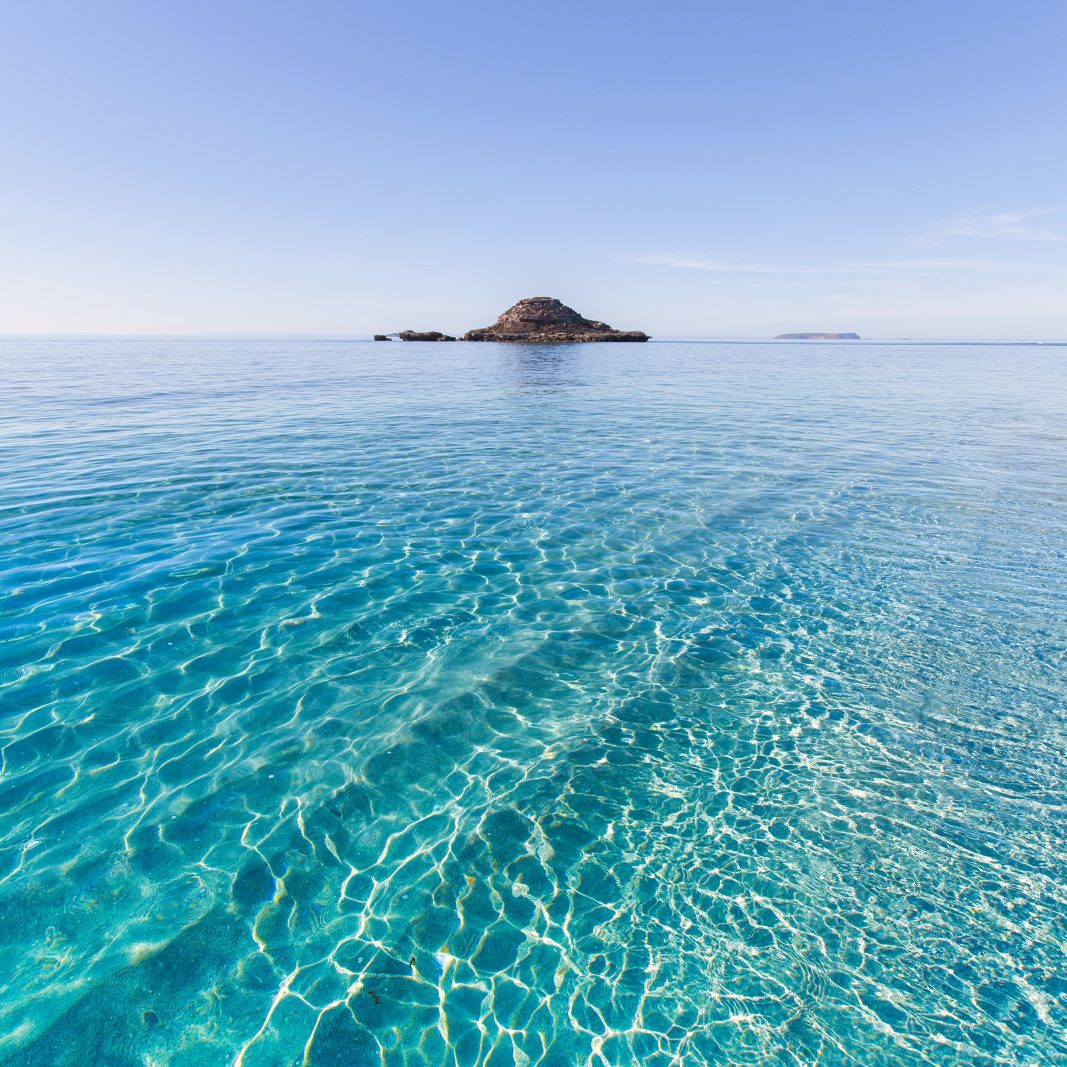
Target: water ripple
(678,704)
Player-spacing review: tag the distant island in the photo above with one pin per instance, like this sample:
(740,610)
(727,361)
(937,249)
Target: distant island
(545,320)
(818,337)
(540,320)
(425,335)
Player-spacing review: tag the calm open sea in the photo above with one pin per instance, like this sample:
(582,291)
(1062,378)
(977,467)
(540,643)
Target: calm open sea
(476,704)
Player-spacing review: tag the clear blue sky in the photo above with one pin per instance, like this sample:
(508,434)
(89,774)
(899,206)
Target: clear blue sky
(735,168)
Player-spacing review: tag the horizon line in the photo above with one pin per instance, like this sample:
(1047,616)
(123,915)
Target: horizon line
(360,336)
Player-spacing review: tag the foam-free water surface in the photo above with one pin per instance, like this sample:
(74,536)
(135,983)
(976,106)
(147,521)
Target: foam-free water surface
(447,704)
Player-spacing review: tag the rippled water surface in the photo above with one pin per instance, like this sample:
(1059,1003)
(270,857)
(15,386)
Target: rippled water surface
(474,704)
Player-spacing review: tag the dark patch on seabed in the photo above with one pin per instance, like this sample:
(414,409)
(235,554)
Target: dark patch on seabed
(143,1008)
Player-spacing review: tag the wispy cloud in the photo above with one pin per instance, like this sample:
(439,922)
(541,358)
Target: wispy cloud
(1044,225)
(685,261)
(920,265)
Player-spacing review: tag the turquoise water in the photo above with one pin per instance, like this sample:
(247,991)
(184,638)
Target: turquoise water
(447,704)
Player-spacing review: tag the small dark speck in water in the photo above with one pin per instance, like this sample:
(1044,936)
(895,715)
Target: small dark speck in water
(374,996)
(150,1018)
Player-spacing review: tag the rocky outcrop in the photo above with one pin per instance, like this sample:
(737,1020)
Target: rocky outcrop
(818,337)
(427,335)
(544,320)
(381,337)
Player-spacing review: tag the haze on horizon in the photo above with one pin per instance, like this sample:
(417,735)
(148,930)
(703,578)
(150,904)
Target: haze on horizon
(690,170)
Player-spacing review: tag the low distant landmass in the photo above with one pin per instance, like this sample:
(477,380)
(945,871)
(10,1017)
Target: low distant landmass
(424,335)
(818,337)
(414,335)
(540,320)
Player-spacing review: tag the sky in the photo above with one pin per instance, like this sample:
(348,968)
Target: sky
(704,169)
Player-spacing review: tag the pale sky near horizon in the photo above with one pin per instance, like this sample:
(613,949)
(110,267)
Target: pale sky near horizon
(734,169)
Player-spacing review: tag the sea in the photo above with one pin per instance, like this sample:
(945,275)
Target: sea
(472,704)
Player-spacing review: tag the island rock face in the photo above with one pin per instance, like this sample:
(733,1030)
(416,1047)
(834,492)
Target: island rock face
(818,337)
(427,335)
(544,320)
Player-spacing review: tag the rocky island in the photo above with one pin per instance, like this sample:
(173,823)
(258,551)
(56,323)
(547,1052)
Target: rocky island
(546,321)
(424,335)
(540,320)
(818,337)
(414,335)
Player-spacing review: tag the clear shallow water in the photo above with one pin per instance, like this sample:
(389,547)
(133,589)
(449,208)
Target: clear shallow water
(659,704)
